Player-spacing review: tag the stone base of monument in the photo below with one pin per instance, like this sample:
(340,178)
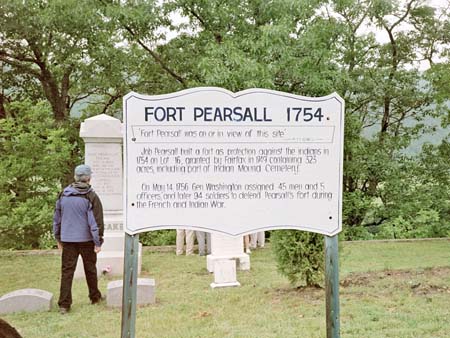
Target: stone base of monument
(114,242)
(224,274)
(146,292)
(227,247)
(108,262)
(28,300)
(242,261)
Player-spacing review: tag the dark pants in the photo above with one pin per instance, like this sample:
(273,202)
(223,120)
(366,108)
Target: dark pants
(69,259)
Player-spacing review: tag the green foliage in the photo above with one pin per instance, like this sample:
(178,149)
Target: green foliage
(47,241)
(357,233)
(414,197)
(299,256)
(35,151)
(62,50)
(158,238)
(23,226)
(423,224)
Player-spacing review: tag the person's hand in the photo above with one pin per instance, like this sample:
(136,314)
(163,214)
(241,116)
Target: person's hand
(60,246)
(97,249)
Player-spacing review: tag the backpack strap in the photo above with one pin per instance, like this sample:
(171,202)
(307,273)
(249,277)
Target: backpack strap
(90,196)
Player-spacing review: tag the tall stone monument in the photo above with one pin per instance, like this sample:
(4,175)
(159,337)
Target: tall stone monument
(102,135)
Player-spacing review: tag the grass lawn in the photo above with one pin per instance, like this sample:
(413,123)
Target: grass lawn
(388,289)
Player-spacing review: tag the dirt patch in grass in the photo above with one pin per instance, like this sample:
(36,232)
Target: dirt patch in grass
(423,282)
(428,289)
(419,282)
(312,294)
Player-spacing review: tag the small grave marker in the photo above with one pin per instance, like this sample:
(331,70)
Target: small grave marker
(28,300)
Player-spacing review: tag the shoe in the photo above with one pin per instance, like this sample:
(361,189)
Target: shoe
(63,310)
(99,300)
(248,251)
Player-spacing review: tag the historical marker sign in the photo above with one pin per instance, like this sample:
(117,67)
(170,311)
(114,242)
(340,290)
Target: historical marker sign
(235,163)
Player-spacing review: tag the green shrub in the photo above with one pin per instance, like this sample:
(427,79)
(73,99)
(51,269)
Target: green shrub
(299,256)
(47,241)
(25,223)
(357,233)
(35,155)
(158,237)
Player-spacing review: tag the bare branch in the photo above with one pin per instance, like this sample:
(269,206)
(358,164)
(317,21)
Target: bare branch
(217,36)
(155,56)
(16,63)
(112,99)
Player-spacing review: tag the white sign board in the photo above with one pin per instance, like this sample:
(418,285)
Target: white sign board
(234,163)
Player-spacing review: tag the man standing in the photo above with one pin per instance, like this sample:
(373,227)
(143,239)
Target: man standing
(204,242)
(189,235)
(78,228)
(257,239)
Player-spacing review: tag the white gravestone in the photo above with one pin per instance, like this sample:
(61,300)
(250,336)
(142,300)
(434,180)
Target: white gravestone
(224,273)
(145,292)
(227,247)
(28,300)
(102,135)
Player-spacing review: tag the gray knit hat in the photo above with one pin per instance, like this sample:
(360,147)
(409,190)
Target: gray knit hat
(83,172)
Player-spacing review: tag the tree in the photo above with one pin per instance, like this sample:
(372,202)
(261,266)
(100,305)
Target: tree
(70,59)
(387,96)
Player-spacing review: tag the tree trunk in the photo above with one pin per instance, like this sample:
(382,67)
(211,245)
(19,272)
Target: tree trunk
(57,97)
(2,107)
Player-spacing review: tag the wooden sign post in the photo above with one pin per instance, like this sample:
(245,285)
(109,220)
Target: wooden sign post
(130,268)
(211,160)
(332,286)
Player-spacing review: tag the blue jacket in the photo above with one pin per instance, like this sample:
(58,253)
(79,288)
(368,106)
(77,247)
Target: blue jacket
(74,220)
